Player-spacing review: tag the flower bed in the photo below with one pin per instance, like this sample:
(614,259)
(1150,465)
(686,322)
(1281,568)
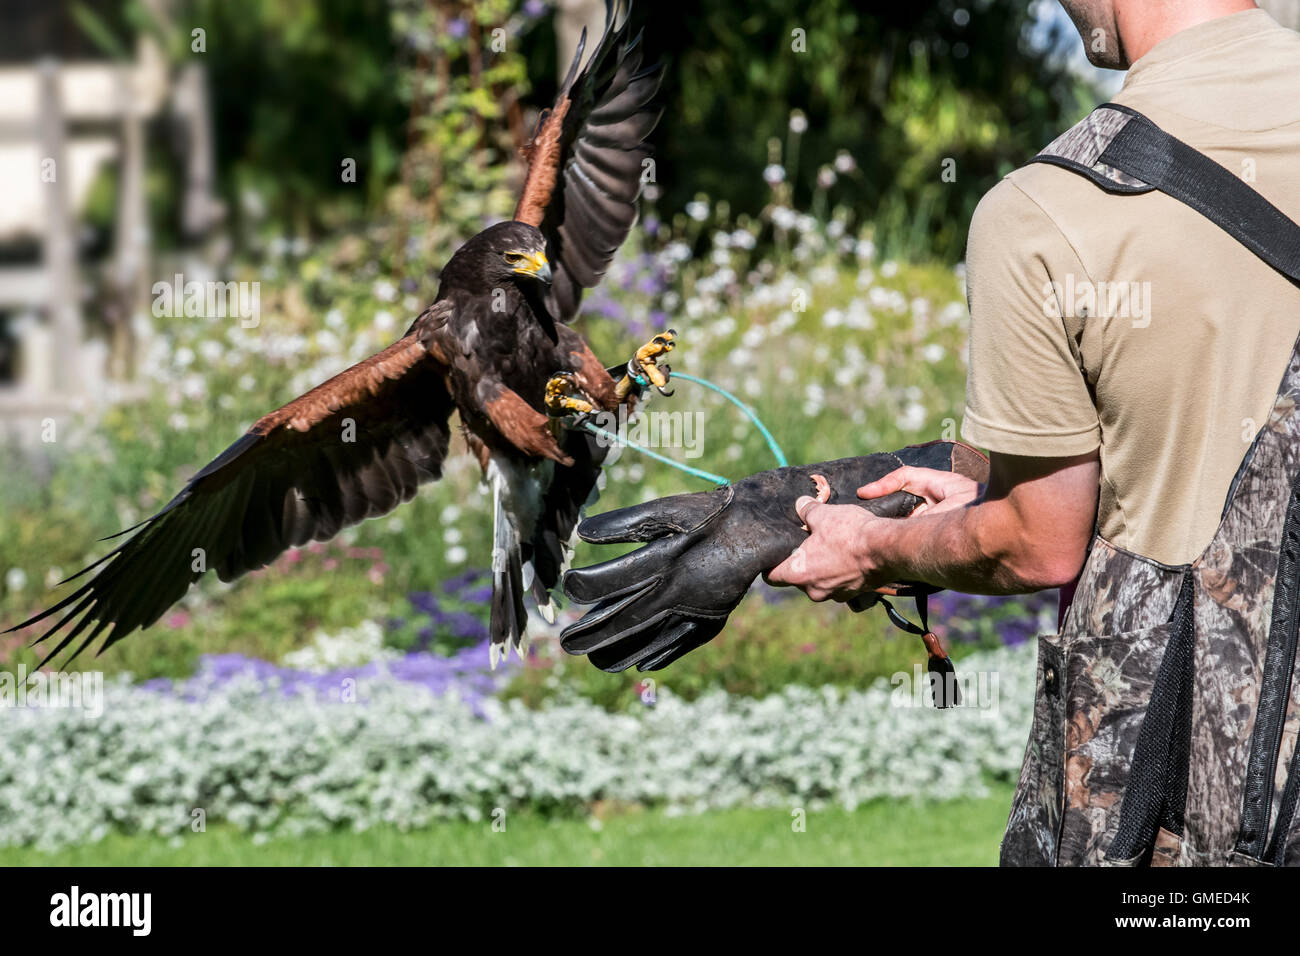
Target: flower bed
(275,753)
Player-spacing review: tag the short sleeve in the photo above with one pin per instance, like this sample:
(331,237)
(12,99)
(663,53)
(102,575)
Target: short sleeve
(1026,393)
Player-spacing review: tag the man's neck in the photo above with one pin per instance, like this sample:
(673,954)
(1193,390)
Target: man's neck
(1143,24)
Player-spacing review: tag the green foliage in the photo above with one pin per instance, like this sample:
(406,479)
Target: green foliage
(764,648)
(461,86)
(297,87)
(421,95)
(900,88)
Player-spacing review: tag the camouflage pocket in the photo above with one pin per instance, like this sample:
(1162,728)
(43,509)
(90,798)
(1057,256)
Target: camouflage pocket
(1108,684)
(1035,818)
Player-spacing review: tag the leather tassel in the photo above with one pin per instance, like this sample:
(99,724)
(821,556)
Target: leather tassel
(943,675)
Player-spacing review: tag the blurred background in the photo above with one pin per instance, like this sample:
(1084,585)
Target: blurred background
(815,173)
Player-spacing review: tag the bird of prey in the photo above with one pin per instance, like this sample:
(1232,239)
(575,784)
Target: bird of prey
(494,346)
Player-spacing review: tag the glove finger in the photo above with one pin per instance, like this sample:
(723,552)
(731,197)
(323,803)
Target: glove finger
(637,648)
(701,633)
(655,519)
(640,618)
(607,621)
(618,576)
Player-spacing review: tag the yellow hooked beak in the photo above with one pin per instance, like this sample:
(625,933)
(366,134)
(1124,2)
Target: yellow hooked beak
(534,265)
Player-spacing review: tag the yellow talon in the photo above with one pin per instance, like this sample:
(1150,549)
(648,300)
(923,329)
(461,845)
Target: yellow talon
(559,398)
(644,361)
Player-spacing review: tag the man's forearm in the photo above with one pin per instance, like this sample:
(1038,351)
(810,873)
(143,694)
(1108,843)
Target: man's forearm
(978,549)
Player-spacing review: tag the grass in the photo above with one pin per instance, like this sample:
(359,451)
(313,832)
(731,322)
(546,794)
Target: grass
(882,833)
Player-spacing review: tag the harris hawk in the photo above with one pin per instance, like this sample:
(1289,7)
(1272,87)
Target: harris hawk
(494,346)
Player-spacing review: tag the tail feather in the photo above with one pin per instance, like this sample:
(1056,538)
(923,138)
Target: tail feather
(508,617)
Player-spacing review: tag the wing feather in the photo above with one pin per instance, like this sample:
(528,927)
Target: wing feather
(351,448)
(586,161)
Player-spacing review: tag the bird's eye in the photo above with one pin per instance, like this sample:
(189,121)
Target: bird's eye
(513,257)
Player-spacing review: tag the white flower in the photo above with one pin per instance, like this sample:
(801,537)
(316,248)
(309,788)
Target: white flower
(15,580)
(774,174)
(384,320)
(350,647)
(384,290)
(844,162)
(784,218)
(698,210)
(798,122)
(743,239)
(456,555)
(194,387)
(913,417)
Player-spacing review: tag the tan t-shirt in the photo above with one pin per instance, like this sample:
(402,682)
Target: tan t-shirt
(1174,364)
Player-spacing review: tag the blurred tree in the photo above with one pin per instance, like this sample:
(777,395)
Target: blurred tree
(902,87)
(904,113)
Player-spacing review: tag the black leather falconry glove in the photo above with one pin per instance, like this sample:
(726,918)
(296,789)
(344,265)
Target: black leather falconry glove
(705,549)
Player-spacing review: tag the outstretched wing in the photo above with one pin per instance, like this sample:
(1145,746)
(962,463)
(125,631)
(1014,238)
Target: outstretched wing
(585,161)
(354,447)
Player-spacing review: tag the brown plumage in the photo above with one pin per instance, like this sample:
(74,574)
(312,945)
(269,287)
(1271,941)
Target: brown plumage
(361,443)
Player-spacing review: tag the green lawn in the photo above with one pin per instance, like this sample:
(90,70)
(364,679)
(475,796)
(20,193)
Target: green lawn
(955,833)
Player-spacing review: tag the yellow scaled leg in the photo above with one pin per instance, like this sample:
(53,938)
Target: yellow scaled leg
(644,362)
(560,398)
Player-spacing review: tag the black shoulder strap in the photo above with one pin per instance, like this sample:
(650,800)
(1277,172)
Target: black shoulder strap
(1124,152)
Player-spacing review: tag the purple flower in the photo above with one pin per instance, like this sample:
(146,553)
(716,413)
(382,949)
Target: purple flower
(457,29)
(466,672)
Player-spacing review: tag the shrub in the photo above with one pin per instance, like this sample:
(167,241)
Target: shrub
(276,755)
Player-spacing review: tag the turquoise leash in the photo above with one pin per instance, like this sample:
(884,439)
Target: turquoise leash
(718,480)
(619,440)
(777,453)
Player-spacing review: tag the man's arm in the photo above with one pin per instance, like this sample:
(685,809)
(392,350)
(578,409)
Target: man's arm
(1028,530)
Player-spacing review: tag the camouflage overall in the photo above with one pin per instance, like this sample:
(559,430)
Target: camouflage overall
(1165,720)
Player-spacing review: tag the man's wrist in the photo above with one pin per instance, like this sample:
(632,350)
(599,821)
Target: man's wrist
(881,551)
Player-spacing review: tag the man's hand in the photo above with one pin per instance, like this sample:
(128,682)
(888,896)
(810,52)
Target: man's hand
(942,490)
(1027,531)
(837,561)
